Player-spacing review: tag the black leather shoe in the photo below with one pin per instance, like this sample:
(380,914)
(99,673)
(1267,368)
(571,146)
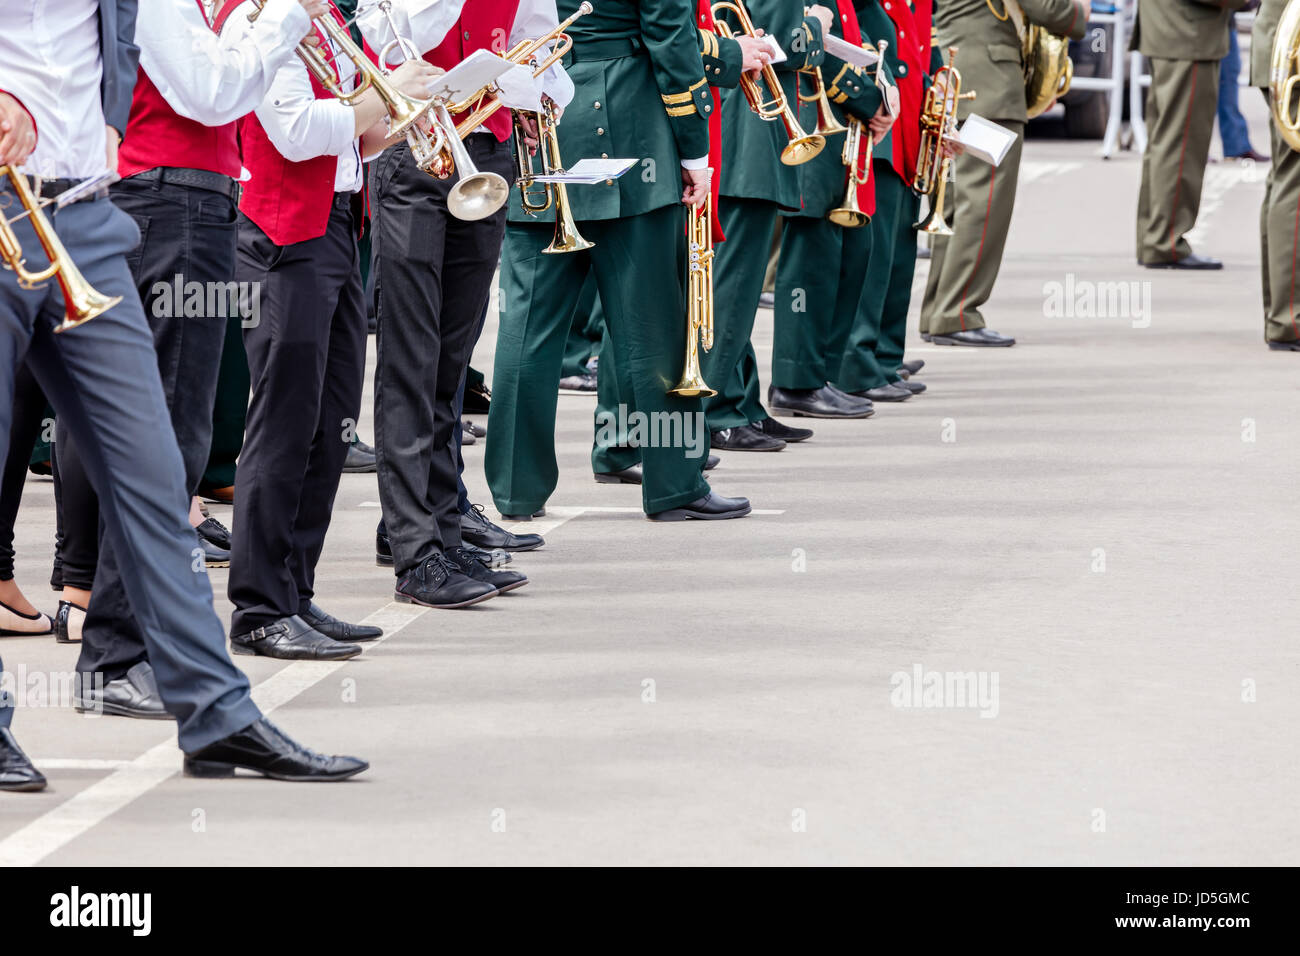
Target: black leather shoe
(478,398)
(264,748)
(68,621)
(916,388)
(16,771)
(476,529)
(467,437)
(889,392)
(847,400)
(712,507)
(774,429)
(711,462)
(478,431)
(926,336)
(470,565)
(978,338)
(814,403)
(914,366)
(214,531)
(214,557)
(292,639)
(135,695)
(628,476)
(495,558)
(745,438)
(1292,346)
(360,460)
(578,383)
(332,627)
(436,582)
(1192,261)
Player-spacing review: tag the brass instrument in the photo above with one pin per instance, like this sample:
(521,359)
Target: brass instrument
(1048,68)
(827,124)
(699,302)
(802,146)
(938,123)
(567,238)
(1284,75)
(849,213)
(81,301)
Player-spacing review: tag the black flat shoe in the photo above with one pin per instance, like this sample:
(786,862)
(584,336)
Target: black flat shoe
(916,388)
(476,529)
(578,383)
(478,431)
(360,459)
(14,623)
(292,639)
(628,476)
(889,392)
(332,627)
(781,432)
(436,582)
(68,622)
(711,462)
(135,695)
(815,403)
(744,438)
(976,338)
(1292,346)
(1192,261)
(914,366)
(16,771)
(503,581)
(478,399)
(712,507)
(213,530)
(263,748)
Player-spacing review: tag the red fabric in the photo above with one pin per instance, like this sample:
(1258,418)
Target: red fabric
(288,201)
(715,129)
(913,29)
(852,32)
(483,25)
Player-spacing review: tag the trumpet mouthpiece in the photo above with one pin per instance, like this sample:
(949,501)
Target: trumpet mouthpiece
(585,8)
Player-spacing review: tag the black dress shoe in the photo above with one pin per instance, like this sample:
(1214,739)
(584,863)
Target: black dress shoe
(16,771)
(774,429)
(628,476)
(1291,346)
(711,462)
(470,565)
(478,398)
(914,366)
(467,437)
(135,695)
(436,582)
(903,373)
(1192,261)
(916,388)
(476,529)
(292,639)
(214,557)
(478,431)
(978,338)
(847,400)
(68,621)
(578,383)
(712,507)
(926,336)
(889,392)
(332,627)
(214,531)
(495,558)
(264,748)
(360,459)
(815,403)
(744,438)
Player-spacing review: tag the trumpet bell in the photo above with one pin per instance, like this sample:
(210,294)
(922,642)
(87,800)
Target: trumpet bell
(692,385)
(567,238)
(802,149)
(935,225)
(82,302)
(850,217)
(477,196)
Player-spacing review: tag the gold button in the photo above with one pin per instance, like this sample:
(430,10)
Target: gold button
(596,105)
(600,131)
(609,182)
(604,155)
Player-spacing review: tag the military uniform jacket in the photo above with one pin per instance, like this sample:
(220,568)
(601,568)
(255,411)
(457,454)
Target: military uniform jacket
(1261,40)
(639,93)
(1183,29)
(880,20)
(751,148)
(988,55)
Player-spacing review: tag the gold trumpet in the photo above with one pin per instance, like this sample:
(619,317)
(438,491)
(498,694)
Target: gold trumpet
(827,124)
(802,146)
(699,303)
(849,213)
(81,301)
(567,238)
(938,124)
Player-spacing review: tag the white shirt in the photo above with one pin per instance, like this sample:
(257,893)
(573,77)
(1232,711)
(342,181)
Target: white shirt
(214,79)
(50,60)
(302,127)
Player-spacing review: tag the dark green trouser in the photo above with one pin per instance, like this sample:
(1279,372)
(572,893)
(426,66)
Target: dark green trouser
(730,366)
(873,346)
(964,266)
(1279,220)
(1181,104)
(807,292)
(646,318)
(585,332)
(230,409)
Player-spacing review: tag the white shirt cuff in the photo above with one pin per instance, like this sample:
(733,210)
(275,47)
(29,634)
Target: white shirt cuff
(700,163)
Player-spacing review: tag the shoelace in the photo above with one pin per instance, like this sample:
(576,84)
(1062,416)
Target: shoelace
(476,514)
(220,527)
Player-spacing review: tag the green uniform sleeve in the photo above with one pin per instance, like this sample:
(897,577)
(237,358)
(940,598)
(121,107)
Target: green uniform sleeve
(1063,17)
(722,59)
(853,90)
(672,41)
(802,44)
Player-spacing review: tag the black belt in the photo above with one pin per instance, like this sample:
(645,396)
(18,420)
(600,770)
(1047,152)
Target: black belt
(604,49)
(198,178)
(51,188)
(344,200)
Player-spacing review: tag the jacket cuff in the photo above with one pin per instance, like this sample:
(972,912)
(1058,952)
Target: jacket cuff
(722,60)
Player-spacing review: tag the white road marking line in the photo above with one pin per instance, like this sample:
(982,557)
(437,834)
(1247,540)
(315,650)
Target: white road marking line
(73,763)
(1033,170)
(52,831)
(1219,181)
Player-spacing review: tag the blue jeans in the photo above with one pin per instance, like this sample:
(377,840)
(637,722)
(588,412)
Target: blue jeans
(1233,132)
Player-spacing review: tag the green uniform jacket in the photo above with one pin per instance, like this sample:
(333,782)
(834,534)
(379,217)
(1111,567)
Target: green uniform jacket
(751,148)
(639,93)
(988,50)
(1183,29)
(1261,40)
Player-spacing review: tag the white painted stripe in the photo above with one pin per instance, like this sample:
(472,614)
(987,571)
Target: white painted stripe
(76,763)
(130,781)
(1033,170)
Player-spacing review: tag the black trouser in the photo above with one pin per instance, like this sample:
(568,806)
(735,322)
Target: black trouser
(306,357)
(187,235)
(434,278)
(28,420)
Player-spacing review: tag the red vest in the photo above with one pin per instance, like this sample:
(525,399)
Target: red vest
(288,201)
(483,25)
(156,135)
(853,34)
(715,129)
(913,30)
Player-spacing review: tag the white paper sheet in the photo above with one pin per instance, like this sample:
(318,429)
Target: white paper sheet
(519,90)
(469,76)
(846,51)
(589,172)
(985,139)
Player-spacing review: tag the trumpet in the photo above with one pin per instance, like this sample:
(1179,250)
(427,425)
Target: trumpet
(802,146)
(81,301)
(827,124)
(699,302)
(849,213)
(938,123)
(567,237)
